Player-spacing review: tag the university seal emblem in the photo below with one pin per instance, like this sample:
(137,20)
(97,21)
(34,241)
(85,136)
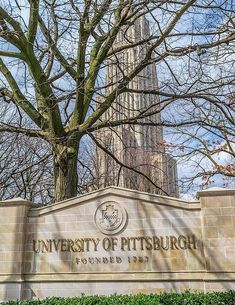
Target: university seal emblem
(110,217)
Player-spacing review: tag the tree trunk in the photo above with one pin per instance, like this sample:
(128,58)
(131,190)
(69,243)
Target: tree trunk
(65,171)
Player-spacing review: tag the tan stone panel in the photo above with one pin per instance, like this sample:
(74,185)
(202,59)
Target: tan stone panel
(196,286)
(219,286)
(11,239)
(179,264)
(213,211)
(77,209)
(82,226)
(215,253)
(8,247)
(211,232)
(60,267)
(89,209)
(230,252)
(36,220)
(10,267)
(171,253)
(228,211)
(161,264)
(192,213)
(217,201)
(29,255)
(40,294)
(10,292)
(220,242)
(145,210)
(219,221)
(43,266)
(50,227)
(11,219)
(195,260)
(12,211)
(27,267)
(30,228)
(55,218)
(30,236)
(9,256)
(196,264)
(147,231)
(149,223)
(186,222)
(222,264)
(11,228)
(228,232)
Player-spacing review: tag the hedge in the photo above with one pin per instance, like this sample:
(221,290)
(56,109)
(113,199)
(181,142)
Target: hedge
(186,298)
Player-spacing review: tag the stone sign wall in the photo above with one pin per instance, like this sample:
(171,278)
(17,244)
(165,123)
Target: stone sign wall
(117,241)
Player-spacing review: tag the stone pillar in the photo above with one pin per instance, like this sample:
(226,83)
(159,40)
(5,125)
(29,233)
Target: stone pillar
(13,218)
(218,231)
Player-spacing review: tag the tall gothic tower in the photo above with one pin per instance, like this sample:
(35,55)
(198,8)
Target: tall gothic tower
(138,147)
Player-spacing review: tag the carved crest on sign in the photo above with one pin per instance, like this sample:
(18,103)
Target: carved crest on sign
(110,217)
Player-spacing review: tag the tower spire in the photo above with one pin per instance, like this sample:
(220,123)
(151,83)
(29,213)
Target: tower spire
(136,146)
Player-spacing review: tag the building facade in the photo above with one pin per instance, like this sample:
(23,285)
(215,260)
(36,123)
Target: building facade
(136,157)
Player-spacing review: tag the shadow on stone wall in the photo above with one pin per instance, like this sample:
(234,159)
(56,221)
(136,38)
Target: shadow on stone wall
(172,269)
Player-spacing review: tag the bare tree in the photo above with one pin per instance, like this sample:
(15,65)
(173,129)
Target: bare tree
(208,148)
(25,169)
(54,55)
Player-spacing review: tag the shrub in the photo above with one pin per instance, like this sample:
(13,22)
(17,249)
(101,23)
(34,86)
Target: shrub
(186,298)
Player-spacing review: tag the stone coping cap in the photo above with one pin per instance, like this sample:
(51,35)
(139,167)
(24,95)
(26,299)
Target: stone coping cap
(16,201)
(215,191)
(117,191)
